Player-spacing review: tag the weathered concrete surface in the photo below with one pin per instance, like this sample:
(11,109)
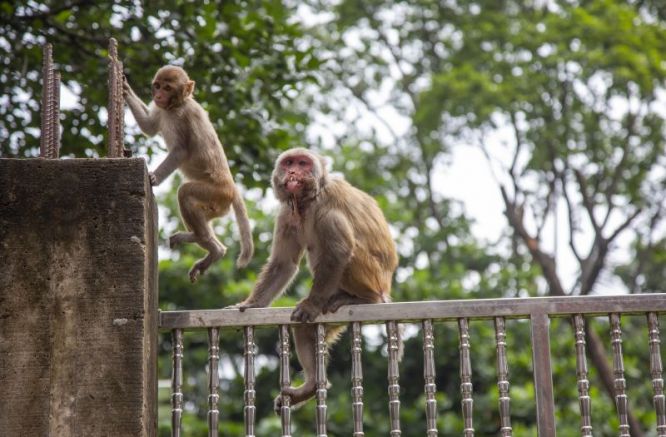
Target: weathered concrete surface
(78,298)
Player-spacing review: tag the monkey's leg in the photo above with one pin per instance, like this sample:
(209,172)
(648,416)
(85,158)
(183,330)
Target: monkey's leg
(199,203)
(305,339)
(181,237)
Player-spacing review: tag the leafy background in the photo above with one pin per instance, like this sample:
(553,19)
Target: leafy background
(563,100)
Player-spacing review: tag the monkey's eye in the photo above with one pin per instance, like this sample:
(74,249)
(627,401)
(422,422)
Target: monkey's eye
(156,86)
(302,163)
(167,88)
(288,162)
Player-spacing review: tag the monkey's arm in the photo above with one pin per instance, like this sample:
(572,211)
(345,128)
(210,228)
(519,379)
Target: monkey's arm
(147,122)
(174,158)
(286,254)
(336,243)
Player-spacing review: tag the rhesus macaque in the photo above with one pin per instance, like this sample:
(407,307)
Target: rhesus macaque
(349,248)
(194,148)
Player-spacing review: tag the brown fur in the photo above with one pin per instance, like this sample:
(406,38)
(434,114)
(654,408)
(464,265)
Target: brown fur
(349,248)
(194,148)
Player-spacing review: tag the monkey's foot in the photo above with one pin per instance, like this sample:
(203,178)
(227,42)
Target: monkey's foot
(180,238)
(200,268)
(339,299)
(305,311)
(297,395)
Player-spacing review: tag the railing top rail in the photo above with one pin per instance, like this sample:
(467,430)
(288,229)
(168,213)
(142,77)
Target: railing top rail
(515,308)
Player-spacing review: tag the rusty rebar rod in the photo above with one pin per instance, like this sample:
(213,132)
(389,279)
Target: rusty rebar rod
(49,143)
(116,104)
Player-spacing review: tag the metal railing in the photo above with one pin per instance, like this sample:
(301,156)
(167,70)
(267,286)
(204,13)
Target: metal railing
(538,311)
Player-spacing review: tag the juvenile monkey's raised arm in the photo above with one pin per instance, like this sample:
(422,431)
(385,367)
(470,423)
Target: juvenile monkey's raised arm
(174,158)
(286,254)
(147,121)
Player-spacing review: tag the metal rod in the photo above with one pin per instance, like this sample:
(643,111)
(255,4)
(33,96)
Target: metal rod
(656,373)
(430,388)
(394,377)
(357,379)
(213,381)
(250,394)
(581,376)
(176,381)
(47,135)
(621,401)
(466,378)
(54,146)
(285,381)
(543,379)
(321,380)
(503,378)
(116,103)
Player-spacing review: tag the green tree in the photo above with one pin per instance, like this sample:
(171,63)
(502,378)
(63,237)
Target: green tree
(577,84)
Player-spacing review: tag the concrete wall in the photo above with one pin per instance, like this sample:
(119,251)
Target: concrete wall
(78,298)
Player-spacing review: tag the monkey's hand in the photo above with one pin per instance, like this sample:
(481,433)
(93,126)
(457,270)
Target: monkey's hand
(306,311)
(153,178)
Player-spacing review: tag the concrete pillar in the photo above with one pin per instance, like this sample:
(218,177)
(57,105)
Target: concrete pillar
(78,298)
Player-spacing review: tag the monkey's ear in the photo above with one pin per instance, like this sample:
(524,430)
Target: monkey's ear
(189,88)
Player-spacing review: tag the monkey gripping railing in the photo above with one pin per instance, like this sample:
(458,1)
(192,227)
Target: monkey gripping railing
(538,311)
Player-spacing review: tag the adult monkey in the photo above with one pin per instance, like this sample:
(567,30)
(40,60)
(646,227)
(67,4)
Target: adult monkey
(194,148)
(349,248)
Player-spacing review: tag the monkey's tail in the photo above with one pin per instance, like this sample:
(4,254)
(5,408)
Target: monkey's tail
(247,246)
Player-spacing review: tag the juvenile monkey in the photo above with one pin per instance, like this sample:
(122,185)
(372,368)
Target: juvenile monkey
(194,148)
(349,248)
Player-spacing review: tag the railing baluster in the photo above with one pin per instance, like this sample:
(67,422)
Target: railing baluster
(321,380)
(621,401)
(656,373)
(581,375)
(285,381)
(250,394)
(503,378)
(429,378)
(357,380)
(394,377)
(213,380)
(176,381)
(466,378)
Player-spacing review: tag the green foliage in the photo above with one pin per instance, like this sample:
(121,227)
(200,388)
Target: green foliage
(244,56)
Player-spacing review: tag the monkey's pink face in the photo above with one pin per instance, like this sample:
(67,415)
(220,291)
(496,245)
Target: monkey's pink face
(297,171)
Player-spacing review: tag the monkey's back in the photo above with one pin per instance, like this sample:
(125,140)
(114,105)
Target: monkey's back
(374,258)
(206,159)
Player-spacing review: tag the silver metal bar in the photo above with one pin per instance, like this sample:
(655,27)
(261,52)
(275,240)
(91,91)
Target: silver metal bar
(285,381)
(250,394)
(357,379)
(394,377)
(621,401)
(656,373)
(503,378)
(417,311)
(176,381)
(543,379)
(466,378)
(584,401)
(213,380)
(430,387)
(321,380)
